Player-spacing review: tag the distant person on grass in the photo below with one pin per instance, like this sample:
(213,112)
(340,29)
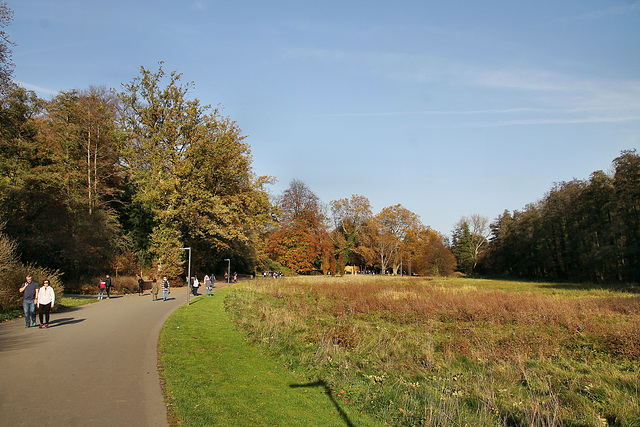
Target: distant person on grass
(29,291)
(140,285)
(46,299)
(165,288)
(107,281)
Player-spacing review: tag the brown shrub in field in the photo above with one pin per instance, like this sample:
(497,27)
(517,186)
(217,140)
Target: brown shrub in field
(432,349)
(485,324)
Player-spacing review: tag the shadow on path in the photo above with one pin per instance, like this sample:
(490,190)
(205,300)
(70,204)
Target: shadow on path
(327,390)
(64,321)
(9,341)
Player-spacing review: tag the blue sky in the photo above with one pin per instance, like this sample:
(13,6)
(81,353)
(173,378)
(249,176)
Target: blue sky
(450,108)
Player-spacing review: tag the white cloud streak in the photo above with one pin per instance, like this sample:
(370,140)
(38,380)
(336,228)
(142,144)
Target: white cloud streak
(37,89)
(582,99)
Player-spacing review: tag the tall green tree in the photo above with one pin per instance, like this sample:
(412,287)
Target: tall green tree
(190,170)
(350,218)
(45,184)
(463,248)
(80,133)
(77,132)
(626,183)
(6,65)
(602,255)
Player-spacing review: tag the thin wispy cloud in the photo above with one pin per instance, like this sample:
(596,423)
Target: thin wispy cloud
(37,89)
(519,110)
(199,5)
(608,12)
(549,93)
(556,121)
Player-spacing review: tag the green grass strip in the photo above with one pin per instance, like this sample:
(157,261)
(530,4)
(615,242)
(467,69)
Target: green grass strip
(212,377)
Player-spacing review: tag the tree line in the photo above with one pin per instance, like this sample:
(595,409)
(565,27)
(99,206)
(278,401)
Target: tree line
(311,238)
(98,180)
(93,181)
(585,230)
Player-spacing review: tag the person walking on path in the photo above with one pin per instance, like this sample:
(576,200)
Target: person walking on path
(46,299)
(140,285)
(195,286)
(207,285)
(102,285)
(154,289)
(165,288)
(107,281)
(29,291)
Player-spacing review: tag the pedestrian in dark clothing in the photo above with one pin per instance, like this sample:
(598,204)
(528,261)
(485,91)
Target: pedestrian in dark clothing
(154,289)
(108,283)
(140,285)
(29,291)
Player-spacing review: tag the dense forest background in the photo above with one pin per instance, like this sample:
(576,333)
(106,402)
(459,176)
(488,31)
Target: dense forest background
(587,230)
(97,181)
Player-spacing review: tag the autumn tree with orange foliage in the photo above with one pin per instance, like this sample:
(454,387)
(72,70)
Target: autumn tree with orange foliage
(389,232)
(301,239)
(430,256)
(392,239)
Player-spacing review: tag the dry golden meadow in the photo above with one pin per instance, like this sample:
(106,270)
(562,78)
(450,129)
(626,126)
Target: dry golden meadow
(456,351)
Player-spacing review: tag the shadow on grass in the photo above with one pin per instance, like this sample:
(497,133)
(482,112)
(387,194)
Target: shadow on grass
(632,288)
(197,300)
(622,288)
(327,390)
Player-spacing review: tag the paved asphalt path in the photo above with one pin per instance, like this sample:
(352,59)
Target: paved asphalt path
(95,366)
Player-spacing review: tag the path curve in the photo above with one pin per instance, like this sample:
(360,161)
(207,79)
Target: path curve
(95,366)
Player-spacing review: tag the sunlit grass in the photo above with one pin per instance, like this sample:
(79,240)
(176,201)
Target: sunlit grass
(69,302)
(213,377)
(456,351)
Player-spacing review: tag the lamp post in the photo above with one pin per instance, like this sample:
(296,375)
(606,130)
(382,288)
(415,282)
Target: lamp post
(188,273)
(228,269)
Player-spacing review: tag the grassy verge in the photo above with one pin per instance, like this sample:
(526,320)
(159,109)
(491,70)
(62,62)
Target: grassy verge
(456,352)
(10,314)
(213,376)
(61,304)
(70,302)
